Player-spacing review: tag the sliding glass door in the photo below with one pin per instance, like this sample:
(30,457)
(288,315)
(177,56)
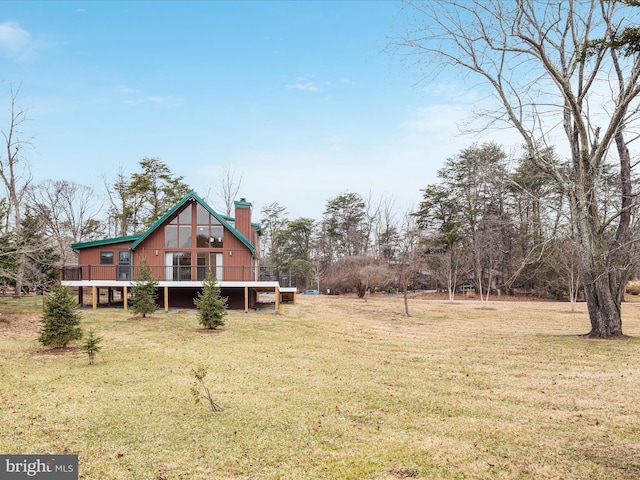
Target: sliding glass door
(209,262)
(178,266)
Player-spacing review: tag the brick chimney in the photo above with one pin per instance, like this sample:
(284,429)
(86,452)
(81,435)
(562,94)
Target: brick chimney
(243,218)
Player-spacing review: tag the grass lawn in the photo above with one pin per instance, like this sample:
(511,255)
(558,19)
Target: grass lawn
(333,388)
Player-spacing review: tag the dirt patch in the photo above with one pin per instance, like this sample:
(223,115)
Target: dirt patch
(59,351)
(211,331)
(143,319)
(19,324)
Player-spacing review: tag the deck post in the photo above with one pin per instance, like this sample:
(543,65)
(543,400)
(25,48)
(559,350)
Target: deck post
(166,298)
(125,295)
(277,292)
(94,297)
(246,299)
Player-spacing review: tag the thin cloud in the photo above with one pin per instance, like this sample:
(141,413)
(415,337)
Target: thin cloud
(126,90)
(149,99)
(14,40)
(305,87)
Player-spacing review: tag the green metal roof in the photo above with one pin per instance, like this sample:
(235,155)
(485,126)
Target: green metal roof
(192,196)
(137,239)
(105,241)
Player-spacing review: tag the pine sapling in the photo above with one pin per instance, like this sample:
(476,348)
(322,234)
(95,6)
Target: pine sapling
(92,346)
(212,308)
(144,291)
(61,319)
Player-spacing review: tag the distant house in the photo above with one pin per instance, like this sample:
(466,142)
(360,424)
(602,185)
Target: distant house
(188,242)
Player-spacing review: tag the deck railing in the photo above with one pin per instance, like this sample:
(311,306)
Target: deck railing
(176,273)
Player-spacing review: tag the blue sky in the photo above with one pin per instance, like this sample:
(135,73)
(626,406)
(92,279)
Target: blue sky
(297,96)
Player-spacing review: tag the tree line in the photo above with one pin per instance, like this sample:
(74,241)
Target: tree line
(491,223)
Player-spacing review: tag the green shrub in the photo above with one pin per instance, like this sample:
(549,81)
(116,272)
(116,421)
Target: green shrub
(212,308)
(61,320)
(92,346)
(144,291)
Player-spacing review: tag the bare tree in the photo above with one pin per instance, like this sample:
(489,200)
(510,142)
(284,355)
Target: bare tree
(16,175)
(568,269)
(68,212)
(561,62)
(409,256)
(359,274)
(229,187)
(386,233)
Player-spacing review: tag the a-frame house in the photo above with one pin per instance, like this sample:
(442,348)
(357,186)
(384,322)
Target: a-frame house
(181,248)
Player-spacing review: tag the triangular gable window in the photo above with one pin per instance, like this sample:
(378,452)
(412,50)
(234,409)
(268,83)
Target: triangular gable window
(178,233)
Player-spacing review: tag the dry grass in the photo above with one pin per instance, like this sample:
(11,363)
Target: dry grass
(335,388)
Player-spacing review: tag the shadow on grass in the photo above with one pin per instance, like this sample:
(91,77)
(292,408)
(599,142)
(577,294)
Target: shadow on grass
(58,351)
(621,460)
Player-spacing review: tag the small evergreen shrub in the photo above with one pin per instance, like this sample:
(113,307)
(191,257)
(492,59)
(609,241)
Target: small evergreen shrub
(61,319)
(144,291)
(92,346)
(212,308)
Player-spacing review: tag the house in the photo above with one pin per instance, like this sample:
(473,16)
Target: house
(181,248)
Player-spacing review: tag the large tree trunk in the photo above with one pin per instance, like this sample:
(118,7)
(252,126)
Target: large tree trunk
(601,289)
(604,257)
(604,310)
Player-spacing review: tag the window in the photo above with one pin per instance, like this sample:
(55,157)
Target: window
(210,236)
(124,257)
(171,236)
(177,234)
(184,236)
(209,229)
(106,258)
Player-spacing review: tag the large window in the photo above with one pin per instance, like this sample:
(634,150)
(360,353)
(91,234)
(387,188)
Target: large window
(209,229)
(177,234)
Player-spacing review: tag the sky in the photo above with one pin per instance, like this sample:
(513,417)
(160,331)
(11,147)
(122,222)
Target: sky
(299,98)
